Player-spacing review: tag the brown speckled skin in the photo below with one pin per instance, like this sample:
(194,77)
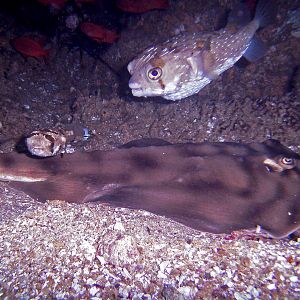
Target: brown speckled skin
(213,187)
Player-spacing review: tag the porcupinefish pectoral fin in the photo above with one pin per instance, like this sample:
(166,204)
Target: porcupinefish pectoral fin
(196,63)
(202,64)
(209,65)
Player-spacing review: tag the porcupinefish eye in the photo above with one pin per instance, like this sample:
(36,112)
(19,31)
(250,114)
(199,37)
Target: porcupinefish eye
(287,162)
(155,73)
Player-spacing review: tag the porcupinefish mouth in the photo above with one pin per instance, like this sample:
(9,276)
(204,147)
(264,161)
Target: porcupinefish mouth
(138,91)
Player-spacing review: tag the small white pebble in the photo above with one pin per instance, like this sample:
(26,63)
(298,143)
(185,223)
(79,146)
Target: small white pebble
(293,278)
(213,274)
(70,149)
(145,213)
(161,275)
(93,290)
(186,291)
(101,259)
(253,291)
(258,229)
(217,269)
(126,273)
(159,246)
(90,281)
(163,266)
(239,296)
(119,226)
(271,286)
(86,211)
(229,273)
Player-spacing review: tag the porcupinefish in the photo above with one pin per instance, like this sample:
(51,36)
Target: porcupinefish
(45,142)
(212,187)
(183,65)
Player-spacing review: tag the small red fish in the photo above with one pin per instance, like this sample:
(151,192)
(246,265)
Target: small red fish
(30,47)
(85,1)
(58,4)
(141,6)
(98,33)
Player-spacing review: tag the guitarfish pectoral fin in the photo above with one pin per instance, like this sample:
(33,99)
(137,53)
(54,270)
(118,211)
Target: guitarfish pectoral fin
(69,189)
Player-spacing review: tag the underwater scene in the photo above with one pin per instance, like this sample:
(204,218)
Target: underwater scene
(150,149)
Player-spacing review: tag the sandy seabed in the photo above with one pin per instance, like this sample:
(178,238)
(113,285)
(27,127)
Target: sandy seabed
(69,251)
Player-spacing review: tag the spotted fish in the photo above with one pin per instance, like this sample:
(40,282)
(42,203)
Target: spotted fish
(212,187)
(46,142)
(183,65)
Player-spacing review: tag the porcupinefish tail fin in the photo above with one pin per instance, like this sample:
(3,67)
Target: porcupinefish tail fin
(256,50)
(265,12)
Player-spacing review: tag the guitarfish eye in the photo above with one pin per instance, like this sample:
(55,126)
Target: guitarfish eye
(287,162)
